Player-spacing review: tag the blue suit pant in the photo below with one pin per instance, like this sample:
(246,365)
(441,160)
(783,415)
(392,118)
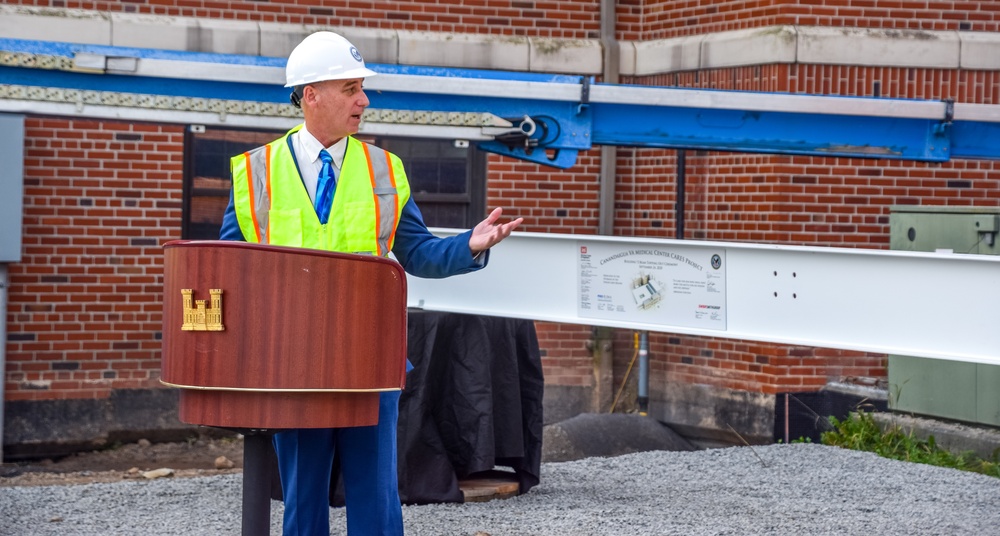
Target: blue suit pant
(368,467)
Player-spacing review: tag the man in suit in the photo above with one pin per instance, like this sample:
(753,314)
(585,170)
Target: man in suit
(318,187)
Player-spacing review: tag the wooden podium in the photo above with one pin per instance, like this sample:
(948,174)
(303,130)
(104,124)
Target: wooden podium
(262,338)
(269,337)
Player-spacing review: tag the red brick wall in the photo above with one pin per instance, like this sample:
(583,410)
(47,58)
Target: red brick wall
(645,20)
(550,200)
(798,200)
(84,311)
(981,87)
(573,19)
(637,19)
(565,358)
(756,367)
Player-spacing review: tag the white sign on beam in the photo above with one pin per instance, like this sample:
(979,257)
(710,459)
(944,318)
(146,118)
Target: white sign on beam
(936,305)
(670,286)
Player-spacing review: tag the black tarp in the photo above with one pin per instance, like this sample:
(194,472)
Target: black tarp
(472,402)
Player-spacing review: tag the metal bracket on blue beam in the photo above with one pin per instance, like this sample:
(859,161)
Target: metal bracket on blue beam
(560,121)
(560,129)
(540,140)
(558,158)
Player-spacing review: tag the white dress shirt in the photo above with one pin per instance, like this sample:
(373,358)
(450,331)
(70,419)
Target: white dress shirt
(307,149)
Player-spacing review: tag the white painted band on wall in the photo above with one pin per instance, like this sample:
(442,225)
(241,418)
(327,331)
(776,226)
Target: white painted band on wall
(760,46)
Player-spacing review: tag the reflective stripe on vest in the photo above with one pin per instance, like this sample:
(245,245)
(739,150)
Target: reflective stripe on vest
(385,196)
(257,162)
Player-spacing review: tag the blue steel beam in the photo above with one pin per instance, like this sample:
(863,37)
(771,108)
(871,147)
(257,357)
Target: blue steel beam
(976,140)
(759,131)
(557,115)
(976,130)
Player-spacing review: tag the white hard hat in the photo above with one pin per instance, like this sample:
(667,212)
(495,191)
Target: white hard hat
(324,56)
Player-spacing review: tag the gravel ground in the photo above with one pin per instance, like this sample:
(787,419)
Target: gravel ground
(775,489)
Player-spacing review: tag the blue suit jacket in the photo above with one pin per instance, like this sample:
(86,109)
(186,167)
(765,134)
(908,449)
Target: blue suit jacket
(421,253)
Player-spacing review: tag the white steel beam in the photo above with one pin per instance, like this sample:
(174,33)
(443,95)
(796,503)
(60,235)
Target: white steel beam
(937,305)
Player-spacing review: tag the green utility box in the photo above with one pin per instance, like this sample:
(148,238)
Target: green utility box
(967,392)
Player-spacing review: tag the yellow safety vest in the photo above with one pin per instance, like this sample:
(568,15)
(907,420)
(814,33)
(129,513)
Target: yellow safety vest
(273,207)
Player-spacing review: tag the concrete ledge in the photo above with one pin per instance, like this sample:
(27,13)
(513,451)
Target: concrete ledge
(708,415)
(577,56)
(954,437)
(561,402)
(878,47)
(227,37)
(813,45)
(185,34)
(59,25)
(51,428)
(776,44)
(377,46)
(758,46)
(464,50)
(151,31)
(278,40)
(980,50)
(661,56)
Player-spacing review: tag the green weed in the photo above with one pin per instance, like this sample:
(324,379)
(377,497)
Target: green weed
(859,431)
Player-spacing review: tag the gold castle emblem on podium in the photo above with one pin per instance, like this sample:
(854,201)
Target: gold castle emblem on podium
(199,317)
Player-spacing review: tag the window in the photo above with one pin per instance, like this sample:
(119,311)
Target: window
(447,177)
(206,176)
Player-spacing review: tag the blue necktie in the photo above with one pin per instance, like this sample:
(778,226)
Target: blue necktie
(326,185)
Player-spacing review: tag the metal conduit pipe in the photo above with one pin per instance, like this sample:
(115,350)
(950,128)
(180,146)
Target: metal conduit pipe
(603,366)
(681,187)
(609,153)
(643,398)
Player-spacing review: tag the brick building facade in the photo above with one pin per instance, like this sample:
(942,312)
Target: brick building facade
(101,196)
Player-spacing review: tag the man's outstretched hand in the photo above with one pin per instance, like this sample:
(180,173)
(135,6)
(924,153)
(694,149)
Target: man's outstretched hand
(489,233)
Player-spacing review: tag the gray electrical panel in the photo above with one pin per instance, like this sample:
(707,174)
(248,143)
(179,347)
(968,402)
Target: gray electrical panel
(11,187)
(967,392)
